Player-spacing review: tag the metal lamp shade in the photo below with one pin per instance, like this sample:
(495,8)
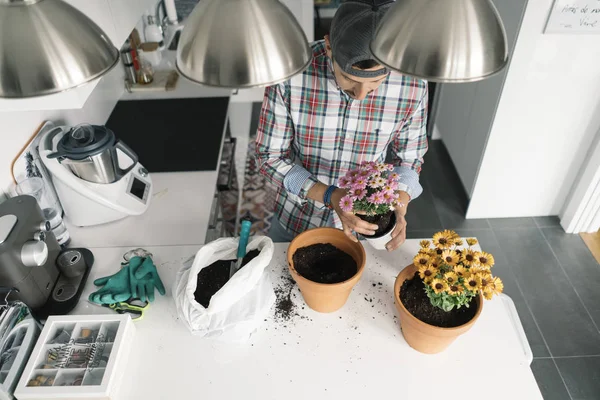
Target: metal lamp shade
(241,44)
(48,46)
(442,40)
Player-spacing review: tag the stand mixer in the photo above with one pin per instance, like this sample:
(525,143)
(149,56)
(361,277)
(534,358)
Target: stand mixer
(87,175)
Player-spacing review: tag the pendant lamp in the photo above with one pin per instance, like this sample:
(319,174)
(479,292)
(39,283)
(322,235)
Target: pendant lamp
(442,40)
(48,46)
(242,44)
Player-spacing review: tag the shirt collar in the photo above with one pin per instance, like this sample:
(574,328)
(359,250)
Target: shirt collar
(331,77)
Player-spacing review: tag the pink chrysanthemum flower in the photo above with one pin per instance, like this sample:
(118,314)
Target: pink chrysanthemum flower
(378,182)
(346,204)
(358,193)
(376,198)
(358,183)
(381,167)
(364,173)
(366,166)
(344,182)
(388,198)
(390,187)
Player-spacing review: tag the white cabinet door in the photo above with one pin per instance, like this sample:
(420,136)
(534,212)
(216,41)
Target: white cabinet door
(304,12)
(248,95)
(126,15)
(116,17)
(99,12)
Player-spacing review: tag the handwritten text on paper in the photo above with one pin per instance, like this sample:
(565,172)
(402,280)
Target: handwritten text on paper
(574,16)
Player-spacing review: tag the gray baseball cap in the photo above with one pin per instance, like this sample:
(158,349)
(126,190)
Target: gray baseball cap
(352,29)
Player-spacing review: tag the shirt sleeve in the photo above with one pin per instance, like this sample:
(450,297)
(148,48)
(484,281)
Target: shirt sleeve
(409,146)
(274,145)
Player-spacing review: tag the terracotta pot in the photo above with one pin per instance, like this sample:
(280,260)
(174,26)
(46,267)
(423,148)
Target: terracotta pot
(323,297)
(421,336)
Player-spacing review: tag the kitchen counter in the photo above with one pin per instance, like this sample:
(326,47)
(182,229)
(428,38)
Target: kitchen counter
(357,352)
(178,215)
(184,89)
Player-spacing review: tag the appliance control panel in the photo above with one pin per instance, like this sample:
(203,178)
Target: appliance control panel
(138,188)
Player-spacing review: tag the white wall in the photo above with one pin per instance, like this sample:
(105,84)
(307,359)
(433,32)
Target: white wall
(16,128)
(465,111)
(547,117)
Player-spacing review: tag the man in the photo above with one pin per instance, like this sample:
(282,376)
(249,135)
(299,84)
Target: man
(343,110)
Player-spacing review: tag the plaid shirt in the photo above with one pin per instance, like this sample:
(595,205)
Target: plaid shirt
(310,131)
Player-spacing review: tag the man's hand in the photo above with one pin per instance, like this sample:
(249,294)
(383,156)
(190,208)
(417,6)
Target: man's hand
(399,233)
(350,222)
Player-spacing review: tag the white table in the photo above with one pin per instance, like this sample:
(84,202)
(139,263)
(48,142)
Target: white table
(178,215)
(355,353)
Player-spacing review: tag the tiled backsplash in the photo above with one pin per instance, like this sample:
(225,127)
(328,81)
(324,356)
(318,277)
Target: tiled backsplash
(185,7)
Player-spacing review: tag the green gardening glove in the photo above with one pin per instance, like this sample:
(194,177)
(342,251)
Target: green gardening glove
(143,278)
(115,288)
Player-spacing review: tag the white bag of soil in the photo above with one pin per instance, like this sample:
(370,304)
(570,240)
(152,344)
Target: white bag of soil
(237,309)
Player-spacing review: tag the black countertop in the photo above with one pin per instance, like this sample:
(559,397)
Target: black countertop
(172,135)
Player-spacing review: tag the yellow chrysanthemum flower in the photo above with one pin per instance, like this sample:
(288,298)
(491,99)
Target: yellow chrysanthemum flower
(476,269)
(421,259)
(450,257)
(498,285)
(444,239)
(470,258)
(451,278)
(472,241)
(495,287)
(473,282)
(455,290)
(485,259)
(435,262)
(458,242)
(439,285)
(488,293)
(427,273)
(486,280)
(461,271)
(425,244)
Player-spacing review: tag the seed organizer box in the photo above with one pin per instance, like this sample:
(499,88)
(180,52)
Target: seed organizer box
(78,357)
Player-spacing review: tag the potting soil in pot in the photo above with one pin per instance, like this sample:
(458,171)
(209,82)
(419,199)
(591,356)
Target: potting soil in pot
(212,278)
(324,263)
(415,300)
(385,222)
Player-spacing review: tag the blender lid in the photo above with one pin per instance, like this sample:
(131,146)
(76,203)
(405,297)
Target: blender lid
(83,141)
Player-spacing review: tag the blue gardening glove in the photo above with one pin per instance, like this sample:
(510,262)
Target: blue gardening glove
(115,288)
(143,278)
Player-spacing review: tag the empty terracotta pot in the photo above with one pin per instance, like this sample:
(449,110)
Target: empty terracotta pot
(421,336)
(324,297)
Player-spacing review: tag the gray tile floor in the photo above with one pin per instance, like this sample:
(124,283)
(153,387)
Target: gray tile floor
(551,276)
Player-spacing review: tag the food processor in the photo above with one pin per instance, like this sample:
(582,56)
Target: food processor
(85,163)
